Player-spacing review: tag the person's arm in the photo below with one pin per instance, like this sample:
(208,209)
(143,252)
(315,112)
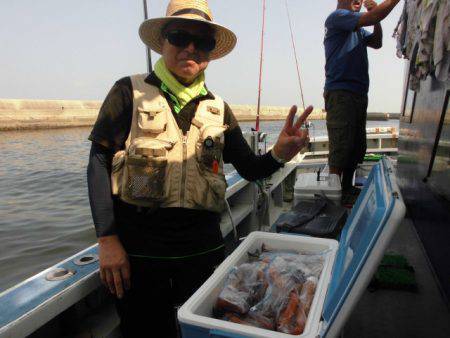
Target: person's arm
(99,188)
(114,119)
(114,265)
(108,135)
(253,167)
(375,40)
(250,166)
(378,14)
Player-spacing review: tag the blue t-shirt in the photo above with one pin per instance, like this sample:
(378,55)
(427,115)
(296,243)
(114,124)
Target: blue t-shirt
(347,64)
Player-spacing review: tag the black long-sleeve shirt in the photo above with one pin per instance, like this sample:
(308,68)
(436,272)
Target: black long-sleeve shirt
(167,232)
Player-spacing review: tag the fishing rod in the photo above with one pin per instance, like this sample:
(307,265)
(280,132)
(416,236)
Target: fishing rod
(295,55)
(149,54)
(261,67)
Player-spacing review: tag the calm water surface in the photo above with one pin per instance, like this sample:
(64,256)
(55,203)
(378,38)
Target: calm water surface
(44,208)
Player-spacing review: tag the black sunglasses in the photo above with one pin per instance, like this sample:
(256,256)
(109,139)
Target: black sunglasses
(180,38)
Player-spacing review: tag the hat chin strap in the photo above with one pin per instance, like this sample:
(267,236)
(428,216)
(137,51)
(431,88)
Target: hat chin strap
(192,11)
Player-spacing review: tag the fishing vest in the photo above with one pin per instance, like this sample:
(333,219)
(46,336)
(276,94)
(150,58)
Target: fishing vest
(163,168)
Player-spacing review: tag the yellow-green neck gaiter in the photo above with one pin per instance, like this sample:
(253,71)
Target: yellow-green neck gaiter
(180,94)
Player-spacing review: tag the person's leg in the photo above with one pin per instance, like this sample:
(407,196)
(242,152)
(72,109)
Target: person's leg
(358,127)
(147,308)
(336,171)
(347,178)
(338,105)
(362,103)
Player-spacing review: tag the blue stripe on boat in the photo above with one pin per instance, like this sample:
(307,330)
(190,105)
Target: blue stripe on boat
(233,178)
(29,295)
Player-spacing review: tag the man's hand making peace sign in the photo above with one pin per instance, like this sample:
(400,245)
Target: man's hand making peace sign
(292,138)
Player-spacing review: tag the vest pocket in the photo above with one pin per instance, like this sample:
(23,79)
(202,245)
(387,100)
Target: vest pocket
(144,179)
(216,194)
(209,147)
(153,122)
(210,193)
(218,184)
(209,157)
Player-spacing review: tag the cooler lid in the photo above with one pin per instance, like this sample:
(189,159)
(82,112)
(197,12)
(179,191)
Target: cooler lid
(309,183)
(368,230)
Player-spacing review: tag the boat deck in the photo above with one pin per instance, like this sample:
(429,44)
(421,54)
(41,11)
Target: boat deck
(384,313)
(379,314)
(392,313)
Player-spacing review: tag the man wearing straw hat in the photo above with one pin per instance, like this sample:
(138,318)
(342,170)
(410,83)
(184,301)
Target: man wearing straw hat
(155,174)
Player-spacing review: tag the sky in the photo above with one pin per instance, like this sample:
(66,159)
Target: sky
(76,50)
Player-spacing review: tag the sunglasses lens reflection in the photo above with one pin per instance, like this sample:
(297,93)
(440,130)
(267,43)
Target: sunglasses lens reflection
(178,38)
(206,43)
(182,39)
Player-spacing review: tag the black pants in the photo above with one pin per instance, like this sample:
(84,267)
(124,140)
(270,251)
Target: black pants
(346,126)
(157,288)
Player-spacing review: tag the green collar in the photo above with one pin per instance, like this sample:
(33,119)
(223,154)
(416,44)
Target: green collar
(176,104)
(180,94)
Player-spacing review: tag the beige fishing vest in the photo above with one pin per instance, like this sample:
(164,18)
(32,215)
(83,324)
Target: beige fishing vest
(161,167)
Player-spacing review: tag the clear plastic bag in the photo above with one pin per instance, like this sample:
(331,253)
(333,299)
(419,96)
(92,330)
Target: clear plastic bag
(245,284)
(307,293)
(292,318)
(282,277)
(274,291)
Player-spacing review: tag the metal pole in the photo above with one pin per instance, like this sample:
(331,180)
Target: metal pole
(149,55)
(261,66)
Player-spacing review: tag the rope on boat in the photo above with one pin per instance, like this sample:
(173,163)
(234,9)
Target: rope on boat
(261,61)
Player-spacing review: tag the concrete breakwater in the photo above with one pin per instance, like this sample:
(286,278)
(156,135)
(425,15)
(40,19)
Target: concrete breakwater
(41,114)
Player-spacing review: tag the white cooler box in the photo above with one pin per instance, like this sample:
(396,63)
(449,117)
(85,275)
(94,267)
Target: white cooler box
(348,269)
(307,185)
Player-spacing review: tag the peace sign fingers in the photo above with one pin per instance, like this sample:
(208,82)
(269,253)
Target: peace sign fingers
(303,117)
(290,118)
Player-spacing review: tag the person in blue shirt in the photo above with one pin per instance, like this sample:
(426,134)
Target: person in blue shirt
(347,82)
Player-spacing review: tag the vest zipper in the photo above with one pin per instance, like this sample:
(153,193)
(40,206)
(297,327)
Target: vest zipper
(183,172)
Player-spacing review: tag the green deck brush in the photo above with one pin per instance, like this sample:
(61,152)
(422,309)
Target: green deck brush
(394,273)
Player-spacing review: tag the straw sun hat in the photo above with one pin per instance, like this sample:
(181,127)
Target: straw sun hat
(189,10)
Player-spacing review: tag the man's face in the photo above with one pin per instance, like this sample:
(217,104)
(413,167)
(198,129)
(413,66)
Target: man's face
(356,5)
(186,62)
(352,5)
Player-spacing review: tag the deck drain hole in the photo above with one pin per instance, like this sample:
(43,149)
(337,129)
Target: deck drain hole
(87,259)
(59,274)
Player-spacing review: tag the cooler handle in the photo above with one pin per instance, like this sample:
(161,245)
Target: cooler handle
(221,334)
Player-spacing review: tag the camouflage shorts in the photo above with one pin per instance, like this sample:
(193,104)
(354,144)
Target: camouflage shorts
(346,125)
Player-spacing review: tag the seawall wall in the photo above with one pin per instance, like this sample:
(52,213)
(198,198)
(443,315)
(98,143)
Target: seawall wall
(41,114)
